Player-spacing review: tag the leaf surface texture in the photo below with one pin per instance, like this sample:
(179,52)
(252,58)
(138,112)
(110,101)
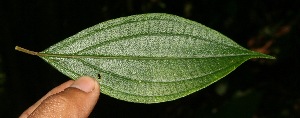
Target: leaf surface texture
(148,58)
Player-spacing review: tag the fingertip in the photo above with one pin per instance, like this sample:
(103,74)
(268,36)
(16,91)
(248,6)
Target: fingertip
(85,83)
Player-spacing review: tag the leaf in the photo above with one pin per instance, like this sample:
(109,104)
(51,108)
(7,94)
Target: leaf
(148,58)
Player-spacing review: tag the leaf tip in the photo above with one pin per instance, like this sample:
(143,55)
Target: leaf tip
(261,55)
(271,57)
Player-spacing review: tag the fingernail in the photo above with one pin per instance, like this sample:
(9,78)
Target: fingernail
(85,83)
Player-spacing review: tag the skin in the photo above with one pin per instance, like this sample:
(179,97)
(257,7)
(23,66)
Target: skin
(72,99)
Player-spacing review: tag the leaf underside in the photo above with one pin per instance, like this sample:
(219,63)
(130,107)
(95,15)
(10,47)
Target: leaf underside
(148,58)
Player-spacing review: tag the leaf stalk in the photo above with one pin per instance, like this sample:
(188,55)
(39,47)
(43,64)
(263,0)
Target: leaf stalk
(26,51)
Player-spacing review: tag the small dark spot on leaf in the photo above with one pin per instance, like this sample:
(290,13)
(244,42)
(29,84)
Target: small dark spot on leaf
(99,76)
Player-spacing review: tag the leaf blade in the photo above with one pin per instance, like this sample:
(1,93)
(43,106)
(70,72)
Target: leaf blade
(149,58)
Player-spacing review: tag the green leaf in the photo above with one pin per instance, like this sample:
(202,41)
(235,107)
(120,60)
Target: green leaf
(148,58)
